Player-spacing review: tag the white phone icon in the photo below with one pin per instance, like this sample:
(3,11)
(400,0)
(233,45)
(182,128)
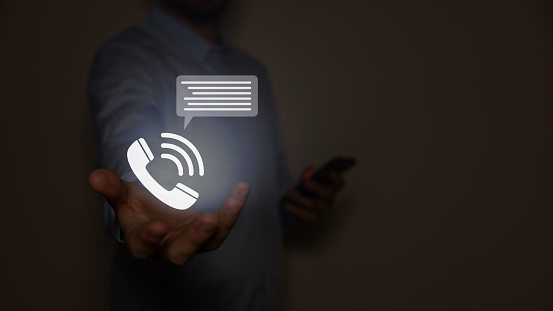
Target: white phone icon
(139,155)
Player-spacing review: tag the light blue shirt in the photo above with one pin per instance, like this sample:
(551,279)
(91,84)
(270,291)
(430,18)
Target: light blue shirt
(132,95)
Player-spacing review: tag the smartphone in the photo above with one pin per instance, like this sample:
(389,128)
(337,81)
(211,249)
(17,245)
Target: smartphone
(339,165)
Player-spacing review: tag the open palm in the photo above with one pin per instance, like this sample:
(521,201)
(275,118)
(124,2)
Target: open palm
(153,229)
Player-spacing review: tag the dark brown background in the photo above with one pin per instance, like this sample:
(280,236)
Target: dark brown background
(446,105)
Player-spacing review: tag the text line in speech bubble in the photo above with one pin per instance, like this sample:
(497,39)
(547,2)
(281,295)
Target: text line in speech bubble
(216,96)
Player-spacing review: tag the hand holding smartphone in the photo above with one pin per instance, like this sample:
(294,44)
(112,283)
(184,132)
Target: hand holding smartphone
(338,165)
(313,195)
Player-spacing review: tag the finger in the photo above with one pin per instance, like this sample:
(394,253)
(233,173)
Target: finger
(301,213)
(146,241)
(300,199)
(108,184)
(307,203)
(228,214)
(319,190)
(187,244)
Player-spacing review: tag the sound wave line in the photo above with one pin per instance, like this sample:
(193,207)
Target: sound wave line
(176,161)
(182,153)
(191,146)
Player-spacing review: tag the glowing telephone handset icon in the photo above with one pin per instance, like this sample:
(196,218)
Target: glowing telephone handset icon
(139,155)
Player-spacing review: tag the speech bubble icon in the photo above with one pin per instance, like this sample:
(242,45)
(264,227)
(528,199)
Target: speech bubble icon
(216,96)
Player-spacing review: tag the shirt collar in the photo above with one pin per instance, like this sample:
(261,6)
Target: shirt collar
(195,45)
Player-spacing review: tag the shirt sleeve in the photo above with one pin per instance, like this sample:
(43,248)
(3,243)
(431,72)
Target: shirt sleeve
(122,96)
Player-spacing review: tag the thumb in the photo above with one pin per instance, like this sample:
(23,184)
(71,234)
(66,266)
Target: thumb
(108,184)
(308,172)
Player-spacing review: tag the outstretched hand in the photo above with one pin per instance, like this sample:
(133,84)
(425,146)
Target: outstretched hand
(153,229)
